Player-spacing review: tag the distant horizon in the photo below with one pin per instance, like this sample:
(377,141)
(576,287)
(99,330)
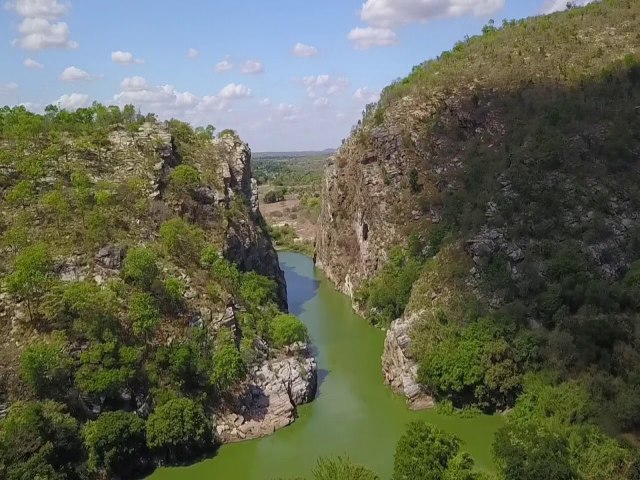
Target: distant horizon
(286,76)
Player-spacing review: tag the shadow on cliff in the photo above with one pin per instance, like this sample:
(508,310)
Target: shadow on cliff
(300,290)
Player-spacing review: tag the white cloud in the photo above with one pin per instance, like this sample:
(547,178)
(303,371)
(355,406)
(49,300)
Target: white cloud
(74,74)
(289,113)
(302,50)
(224,65)
(31,63)
(73,101)
(551,6)
(50,9)
(391,13)
(366,95)
(321,102)
(265,102)
(39,28)
(235,91)
(192,53)
(124,58)
(365,38)
(252,67)
(40,33)
(134,84)
(322,85)
(8,88)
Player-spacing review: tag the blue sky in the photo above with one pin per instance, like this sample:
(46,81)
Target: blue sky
(287,74)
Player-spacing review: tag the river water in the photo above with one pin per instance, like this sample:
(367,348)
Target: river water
(354,414)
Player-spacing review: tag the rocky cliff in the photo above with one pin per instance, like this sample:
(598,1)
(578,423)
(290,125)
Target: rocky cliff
(500,176)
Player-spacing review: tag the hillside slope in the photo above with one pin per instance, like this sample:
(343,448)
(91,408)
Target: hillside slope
(506,171)
(142,300)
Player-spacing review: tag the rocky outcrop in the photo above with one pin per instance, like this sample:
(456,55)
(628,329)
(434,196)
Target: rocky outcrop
(400,370)
(247,243)
(269,399)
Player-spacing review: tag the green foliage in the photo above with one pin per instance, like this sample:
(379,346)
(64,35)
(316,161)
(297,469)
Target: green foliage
(386,295)
(428,453)
(173,293)
(257,290)
(30,277)
(140,267)
(341,468)
(288,329)
(275,196)
(286,238)
(39,441)
(115,442)
(45,366)
(21,193)
(182,240)
(228,367)
(184,178)
(144,314)
(177,428)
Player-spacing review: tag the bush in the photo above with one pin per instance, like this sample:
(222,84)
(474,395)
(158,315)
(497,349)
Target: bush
(144,314)
(173,293)
(428,453)
(257,290)
(30,277)
(140,267)
(115,442)
(182,240)
(179,429)
(274,196)
(341,469)
(228,368)
(45,366)
(184,178)
(287,329)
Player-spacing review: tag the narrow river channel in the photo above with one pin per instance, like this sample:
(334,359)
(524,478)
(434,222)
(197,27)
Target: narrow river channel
(354,413)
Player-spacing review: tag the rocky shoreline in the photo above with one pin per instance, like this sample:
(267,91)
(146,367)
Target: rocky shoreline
(268,400)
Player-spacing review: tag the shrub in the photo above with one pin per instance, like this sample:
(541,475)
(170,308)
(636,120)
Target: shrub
(182,240)
(179,429)
(184,178)
(30,277)
(144,314)
(341,469)
(287,329)
(115,442)
(228,367)
(45,366)
(140,267)
(274,196)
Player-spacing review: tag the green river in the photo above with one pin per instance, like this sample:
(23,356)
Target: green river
(354,414)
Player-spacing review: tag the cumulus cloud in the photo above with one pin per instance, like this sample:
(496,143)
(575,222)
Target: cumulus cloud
(391,13)
(50,9)
(31,63)
(224,65)
(302,50)
(8,88)
(235,91)
(551,6)
(265,102)
(321,102)
(322,85)
(192,53)
(134,84)
(124,58)
(365,38)
(39,28)
(252,67)
(74,74)
(73,101)
(366,95)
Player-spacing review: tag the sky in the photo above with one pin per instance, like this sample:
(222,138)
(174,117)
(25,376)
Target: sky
(286,74)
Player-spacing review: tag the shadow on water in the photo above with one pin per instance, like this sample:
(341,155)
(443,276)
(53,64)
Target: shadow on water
(300,289)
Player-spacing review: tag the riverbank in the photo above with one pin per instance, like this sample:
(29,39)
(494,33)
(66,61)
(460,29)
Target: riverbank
(353,414)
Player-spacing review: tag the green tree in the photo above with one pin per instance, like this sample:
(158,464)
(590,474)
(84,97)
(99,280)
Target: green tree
(140,267)
(182,240)
(30,276)
(144,314)
(287,329)
(183,179)
(179,429)
(46,366)
(39,441)
(57,206)
(116,443)
(341,468)
(228,367)
(21,193)
(173,293)
(428,453)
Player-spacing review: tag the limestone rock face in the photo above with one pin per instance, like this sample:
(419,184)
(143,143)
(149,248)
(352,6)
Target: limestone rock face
(400,370)
(269,398)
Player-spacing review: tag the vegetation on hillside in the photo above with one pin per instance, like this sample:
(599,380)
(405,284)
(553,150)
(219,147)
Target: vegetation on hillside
(113,276)
(529,299)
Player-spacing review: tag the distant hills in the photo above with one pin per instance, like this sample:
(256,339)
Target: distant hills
(301,154)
